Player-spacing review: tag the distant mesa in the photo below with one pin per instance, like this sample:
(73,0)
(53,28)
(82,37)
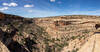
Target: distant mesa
(9,16)
(2,15)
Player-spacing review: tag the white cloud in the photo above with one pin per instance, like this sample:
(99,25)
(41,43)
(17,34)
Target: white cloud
(52,0)
(5,4)
(4,8)
(27,6)
(13,4)
(10,4)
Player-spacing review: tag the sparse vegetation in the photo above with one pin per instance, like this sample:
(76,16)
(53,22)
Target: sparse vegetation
(20,34)
(75,50)
(86,31)
(73,37)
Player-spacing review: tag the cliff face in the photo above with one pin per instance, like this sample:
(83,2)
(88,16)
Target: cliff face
(54,34)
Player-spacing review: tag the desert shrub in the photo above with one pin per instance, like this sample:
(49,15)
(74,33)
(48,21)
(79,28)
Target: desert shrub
(75,50)
(73,37)
(57,39)
(68,51)
(20,34)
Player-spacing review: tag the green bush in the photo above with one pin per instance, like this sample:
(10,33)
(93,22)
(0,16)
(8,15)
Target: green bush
(73,37)
(20,34)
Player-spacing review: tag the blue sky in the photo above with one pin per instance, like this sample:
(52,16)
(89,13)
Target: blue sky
(44,8)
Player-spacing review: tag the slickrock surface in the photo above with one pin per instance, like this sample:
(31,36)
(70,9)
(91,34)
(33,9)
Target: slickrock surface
(3,48)
(92,45)
(89,45)
(97,43)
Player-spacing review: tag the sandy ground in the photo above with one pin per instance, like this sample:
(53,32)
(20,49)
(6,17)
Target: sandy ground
(92,45)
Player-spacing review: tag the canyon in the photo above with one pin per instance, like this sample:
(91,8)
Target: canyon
(71,33)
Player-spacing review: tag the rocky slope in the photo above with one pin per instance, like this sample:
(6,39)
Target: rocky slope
(51,34)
